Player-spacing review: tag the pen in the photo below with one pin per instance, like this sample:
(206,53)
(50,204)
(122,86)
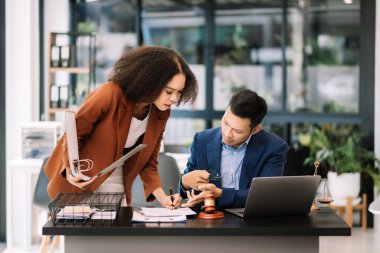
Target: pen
(138,211)
(171,195)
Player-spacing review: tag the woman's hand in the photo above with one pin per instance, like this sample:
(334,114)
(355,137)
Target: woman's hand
(165,200)
(78,181)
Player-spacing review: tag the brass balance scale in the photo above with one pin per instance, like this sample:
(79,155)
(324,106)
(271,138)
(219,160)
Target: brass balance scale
(324,197)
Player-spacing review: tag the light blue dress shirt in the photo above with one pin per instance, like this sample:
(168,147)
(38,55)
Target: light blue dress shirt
(231,163)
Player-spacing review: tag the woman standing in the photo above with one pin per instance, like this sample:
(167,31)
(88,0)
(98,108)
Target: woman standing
(131,108)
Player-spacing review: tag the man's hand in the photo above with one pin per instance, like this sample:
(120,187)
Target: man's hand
(192,179)
(206,190)
(193,199)
(210,188)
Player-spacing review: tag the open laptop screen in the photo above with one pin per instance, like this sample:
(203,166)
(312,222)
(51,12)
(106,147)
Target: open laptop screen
(279,196)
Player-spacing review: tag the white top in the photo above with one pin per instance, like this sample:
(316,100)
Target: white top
(137,128)
(115,183)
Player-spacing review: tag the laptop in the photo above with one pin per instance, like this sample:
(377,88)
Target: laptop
(279,196)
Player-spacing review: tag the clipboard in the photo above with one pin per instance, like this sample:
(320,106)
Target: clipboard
(121,160)
(72,144)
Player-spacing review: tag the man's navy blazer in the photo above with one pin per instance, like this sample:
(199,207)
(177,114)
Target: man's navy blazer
(265,156)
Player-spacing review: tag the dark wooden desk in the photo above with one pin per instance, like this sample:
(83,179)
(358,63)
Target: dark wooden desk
(274,234)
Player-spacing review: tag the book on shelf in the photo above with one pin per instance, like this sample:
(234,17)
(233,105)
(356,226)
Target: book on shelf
(55,56)
(64,96)
(54,96)
(65,56)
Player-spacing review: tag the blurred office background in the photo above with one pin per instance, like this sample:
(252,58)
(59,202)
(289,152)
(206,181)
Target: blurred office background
(302,56)
(313,61)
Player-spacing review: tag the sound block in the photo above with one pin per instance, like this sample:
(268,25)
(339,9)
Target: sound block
(216,215)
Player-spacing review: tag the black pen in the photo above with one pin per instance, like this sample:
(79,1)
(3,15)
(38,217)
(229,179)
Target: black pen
(171,195)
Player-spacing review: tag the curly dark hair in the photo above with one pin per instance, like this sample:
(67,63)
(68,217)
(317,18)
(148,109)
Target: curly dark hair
(143,72)
(247,104)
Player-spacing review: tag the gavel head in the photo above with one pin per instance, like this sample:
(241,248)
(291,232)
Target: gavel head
(209,204)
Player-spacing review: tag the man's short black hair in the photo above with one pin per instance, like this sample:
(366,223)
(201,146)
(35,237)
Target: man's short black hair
(247,104)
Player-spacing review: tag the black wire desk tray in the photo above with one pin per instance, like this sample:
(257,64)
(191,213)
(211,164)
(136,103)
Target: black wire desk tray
(85,207)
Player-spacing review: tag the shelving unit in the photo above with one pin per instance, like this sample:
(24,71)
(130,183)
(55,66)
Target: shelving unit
(71,71)
(39,138)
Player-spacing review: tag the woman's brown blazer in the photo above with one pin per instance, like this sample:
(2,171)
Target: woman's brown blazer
(103,123)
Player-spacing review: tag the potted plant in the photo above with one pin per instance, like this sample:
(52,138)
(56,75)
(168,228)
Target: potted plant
(343,158)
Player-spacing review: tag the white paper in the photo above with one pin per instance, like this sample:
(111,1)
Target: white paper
(138,217)
(105,215)
(64,214)
(164,212)
(80,209)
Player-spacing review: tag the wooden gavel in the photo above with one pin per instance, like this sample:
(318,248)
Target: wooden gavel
(209,204)
(209,211)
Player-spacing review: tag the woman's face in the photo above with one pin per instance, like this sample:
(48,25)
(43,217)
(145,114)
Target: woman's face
(171,93)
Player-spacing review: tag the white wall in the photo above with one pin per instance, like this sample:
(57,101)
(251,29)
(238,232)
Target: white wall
(21,70)
(22,95)
(22,62)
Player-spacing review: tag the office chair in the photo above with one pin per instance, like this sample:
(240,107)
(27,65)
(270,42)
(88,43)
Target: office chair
(42,199)
(176,148)
(169,174)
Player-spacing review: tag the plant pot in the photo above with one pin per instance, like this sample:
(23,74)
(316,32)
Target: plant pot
(344,185)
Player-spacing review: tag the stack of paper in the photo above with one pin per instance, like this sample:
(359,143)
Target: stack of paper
(164,212)
(75,212)
(157,214)
(104,215)
(84,212)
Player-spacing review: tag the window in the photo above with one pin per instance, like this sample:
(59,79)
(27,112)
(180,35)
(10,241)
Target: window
(323,71)
(301,56)
(248,55)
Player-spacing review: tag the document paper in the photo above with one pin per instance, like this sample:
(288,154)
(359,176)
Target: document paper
(164,212)
(139,217)
(159,214)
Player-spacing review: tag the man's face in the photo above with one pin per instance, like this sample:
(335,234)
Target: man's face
(235,130)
